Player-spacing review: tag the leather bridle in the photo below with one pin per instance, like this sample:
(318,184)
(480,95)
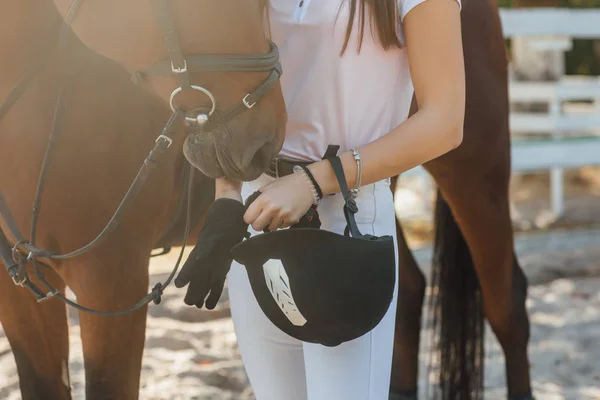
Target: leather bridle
(16,257)
(180,66)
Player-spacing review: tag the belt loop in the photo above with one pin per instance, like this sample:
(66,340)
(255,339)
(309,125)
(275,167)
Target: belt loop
(277,167)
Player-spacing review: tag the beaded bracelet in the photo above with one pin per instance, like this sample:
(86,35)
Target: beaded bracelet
(314,186)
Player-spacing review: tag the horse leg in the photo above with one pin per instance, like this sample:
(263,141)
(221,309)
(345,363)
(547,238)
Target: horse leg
(112,345)
(411,292)
(39,338)
(480,206)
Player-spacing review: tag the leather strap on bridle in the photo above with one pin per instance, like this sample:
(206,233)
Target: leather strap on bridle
(247,102)
(25,251)
(180,66)
(23,84)
(162,144)
(178,63)
(216,63)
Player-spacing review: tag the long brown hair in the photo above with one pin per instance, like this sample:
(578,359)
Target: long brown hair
(384,18)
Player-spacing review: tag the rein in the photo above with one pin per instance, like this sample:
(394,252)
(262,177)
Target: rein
(17,257)
(23,84)
(24,251)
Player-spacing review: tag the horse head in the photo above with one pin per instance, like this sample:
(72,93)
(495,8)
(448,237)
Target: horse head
(210,59)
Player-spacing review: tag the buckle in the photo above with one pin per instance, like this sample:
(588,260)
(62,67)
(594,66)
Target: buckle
(17,278)
(245,101)
(166,139)
(47,296)
(181,70)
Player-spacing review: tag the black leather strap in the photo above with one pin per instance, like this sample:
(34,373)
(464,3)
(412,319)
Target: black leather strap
(6,254)
(162,144)
(23,84)
(331,151)
(248,102)
(217,63)
(16,93)
(350,207)
(177,63)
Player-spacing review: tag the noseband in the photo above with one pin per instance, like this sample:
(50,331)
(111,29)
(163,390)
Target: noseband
(180,66)
(17,256)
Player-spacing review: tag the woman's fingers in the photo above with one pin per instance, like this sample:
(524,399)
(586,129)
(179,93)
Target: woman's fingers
(270,217)
(263,220)
(278,223)
(277,209)
(253,211)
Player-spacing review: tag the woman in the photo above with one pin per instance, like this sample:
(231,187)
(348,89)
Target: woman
(347,82)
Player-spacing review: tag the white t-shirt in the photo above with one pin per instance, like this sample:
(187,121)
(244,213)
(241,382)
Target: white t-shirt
(348,101)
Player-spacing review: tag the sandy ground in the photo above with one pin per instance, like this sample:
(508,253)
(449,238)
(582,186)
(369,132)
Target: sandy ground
(192,354)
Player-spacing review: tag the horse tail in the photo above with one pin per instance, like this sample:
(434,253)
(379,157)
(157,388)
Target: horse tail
(457,307)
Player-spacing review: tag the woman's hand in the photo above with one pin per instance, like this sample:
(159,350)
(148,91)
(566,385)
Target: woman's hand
(281,204)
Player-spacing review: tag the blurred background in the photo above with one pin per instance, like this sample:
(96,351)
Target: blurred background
(554,51)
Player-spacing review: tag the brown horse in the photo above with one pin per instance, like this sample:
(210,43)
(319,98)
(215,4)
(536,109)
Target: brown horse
(475,271)
(102,127)
(474,243)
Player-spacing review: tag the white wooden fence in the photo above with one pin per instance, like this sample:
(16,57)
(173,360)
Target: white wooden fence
(559,139)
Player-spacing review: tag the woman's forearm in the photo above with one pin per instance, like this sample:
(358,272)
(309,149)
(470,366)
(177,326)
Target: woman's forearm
(226,188)
(435,56)
(424,136)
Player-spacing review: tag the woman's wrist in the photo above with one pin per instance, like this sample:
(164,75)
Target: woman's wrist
(325,177)
(226,188)
(312,183)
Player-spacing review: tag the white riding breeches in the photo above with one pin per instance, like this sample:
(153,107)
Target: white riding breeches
(283,368)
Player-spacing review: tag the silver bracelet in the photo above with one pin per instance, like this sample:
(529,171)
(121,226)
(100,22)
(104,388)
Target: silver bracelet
(298,170)
(356,156)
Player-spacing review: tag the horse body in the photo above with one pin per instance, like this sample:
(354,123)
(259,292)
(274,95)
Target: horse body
(475,271)
(106,127)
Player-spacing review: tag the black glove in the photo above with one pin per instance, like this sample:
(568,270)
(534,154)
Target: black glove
(208,264)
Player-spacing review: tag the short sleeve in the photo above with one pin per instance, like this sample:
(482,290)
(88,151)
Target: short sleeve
(406,5)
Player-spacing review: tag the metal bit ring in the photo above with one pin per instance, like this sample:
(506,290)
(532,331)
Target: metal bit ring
(201,118)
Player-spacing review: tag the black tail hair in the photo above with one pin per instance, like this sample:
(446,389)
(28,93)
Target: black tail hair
(457,308)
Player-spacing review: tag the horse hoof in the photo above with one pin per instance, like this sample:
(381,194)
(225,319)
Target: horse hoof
(403,395)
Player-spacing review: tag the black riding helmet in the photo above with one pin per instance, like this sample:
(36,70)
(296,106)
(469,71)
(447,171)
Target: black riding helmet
(319,286)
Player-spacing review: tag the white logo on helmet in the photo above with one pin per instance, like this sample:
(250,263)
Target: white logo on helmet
(279,286)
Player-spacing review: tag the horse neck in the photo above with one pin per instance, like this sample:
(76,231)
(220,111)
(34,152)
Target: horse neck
(27,28)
